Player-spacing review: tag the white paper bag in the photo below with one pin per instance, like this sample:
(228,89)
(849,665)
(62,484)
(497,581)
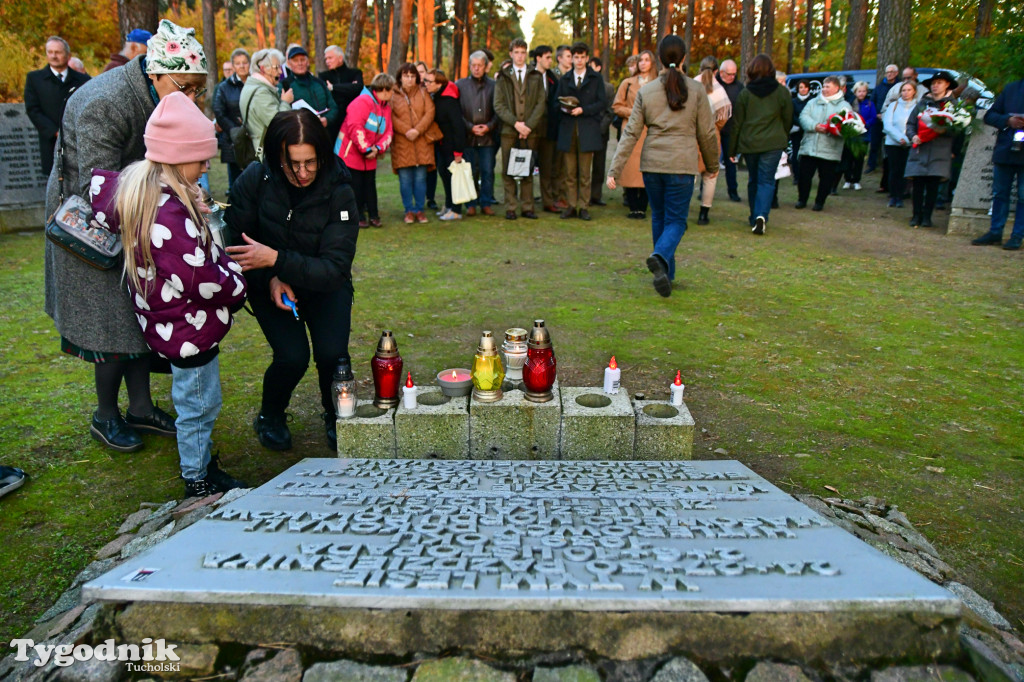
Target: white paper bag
(783,170)
(520,163)
(463,187)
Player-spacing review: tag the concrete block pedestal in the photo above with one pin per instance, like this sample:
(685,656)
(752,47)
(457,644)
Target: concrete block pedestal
(371,433)
(438,428)
(596,425)
(515,428)
(663,431)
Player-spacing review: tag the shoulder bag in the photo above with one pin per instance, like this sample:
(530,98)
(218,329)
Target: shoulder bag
(241,141)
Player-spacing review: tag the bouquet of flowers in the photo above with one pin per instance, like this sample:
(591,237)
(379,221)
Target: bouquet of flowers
(849,126)
(951,117)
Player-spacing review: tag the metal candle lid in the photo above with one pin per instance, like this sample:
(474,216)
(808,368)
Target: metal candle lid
(387,347)
(343,370)
(487,346)
(539,337)
(515,335)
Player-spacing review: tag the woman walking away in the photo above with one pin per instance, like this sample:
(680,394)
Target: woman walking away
(820,151)
(761,119)
(721,107)
(897,144)
(929,163)
(260,101)
(412,154)
(678,118)
(366,133)
(294,223)
(183,287)
(632,179)
(448,115)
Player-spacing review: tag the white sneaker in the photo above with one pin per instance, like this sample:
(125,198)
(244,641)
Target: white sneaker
(451,215)
(846,185)
(857,186)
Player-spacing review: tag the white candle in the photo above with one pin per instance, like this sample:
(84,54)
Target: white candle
(612,373)
(346,405)
(677,390)
(409,393)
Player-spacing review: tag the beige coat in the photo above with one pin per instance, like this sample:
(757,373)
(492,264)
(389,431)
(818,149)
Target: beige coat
(674,138)
(623,107)
(408,111)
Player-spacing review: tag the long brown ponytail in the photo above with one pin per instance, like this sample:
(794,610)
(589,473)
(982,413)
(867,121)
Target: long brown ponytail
(672,52)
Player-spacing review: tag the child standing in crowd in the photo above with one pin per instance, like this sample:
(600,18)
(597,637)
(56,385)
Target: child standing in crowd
(183,287)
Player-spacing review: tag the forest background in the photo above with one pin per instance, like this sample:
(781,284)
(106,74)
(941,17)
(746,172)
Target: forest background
(982,37)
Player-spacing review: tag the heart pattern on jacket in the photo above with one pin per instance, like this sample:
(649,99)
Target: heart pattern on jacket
(172,289)
(141,302)
(208,289)
(164,329)
(196,259)
(238,286)
(224,315)
(197,320)
(159,234)
(190,228)
(148,274)
(188,349)
(235,266)
(143,322)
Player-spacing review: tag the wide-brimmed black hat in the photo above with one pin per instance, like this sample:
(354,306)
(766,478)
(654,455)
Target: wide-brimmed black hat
(943,76)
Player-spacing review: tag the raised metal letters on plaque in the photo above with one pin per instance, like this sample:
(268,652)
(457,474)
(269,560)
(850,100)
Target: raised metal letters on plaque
(664,536)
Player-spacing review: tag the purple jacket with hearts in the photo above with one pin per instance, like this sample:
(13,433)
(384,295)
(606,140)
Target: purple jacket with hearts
(193,286)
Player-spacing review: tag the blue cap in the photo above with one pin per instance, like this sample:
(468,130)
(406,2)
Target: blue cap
(296,51)
(138,36)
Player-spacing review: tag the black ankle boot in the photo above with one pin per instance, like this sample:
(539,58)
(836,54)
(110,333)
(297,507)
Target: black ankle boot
(926,219)
(272,431)
(331,427)
(702,218)
(915,220)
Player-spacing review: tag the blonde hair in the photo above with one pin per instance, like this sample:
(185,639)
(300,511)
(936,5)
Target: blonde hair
(137,202)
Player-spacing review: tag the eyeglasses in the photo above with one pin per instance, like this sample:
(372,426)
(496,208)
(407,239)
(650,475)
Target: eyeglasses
(429,81)
(188,90)
(310,166)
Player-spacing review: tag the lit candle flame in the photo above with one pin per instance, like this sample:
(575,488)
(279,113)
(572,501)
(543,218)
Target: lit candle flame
(455,376)
(612,364)
(408,380)
(679,378)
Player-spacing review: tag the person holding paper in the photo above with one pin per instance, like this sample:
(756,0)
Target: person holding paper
(309,90)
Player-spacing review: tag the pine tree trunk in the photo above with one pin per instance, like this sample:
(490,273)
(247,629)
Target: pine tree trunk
(355,32)
(132,14)
(210,48)
(592,25)
(316,10)
(261,25)
(281,25)
(381,24)
(691,11)
(826,22)
(747,37)
(894,19)
(855,29)
(606,52)
(983,24)
(440,15)
(425,32)
(637,27)
(401,18)
(792,36)
(304,25)
(768,9)
(665,9)
(809,34)
(229,18)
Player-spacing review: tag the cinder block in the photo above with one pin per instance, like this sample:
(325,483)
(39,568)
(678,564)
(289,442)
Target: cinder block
(371,433)
(515,428)
(663,431)
(596,425)
(437,428)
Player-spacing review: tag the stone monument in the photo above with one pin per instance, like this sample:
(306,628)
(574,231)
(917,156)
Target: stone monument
(22,183)
(972,201)
(502,558)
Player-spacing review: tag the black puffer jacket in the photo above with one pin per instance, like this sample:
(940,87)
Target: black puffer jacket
(315,238)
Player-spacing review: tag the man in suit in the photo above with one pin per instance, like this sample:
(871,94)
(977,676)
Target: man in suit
(583,101)
(47,91)
(520,103)
(344,82)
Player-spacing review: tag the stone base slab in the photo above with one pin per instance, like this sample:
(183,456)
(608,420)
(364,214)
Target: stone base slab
(663,431)
(971,222)
(853,637)
(515,428)
(371,433)
(591,429)
(18,218)
(438,428)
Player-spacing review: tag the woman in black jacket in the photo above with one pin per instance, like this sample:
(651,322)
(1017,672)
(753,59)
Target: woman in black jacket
(293,221)
(448,115)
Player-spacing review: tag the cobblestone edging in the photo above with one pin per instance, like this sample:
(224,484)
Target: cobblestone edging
(992,652)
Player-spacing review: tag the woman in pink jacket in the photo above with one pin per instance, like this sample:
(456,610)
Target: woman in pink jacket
(365,135)
(184,288)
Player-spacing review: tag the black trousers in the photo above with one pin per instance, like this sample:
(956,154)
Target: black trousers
(826,170)
(926,191)
(327,316)
(896,157)
(597,173)
(364,184)
(636,198)
(431,184)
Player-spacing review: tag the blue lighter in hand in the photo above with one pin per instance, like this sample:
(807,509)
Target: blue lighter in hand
(291,304)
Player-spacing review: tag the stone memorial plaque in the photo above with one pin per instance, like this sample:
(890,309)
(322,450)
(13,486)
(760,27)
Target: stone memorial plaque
(653,536)
(22,182)
(973,197)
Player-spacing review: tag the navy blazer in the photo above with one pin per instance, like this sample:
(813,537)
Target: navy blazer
(1010,101)
(593,100)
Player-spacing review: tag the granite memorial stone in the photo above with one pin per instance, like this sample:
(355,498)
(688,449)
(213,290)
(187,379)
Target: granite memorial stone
(972,201)
(22,183)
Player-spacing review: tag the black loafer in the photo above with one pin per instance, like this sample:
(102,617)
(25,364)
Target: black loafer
(273,432)
(584,214)
(662,284)
(115,434)
(158,422)
(220,479)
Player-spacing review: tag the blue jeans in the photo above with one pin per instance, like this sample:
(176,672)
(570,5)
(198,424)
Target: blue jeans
(196,395)
(412,183)
(761,168)
(669,195)
(482,159)
(1002,180)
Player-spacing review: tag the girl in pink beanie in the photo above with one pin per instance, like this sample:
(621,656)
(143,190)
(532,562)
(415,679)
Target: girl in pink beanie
(183,287)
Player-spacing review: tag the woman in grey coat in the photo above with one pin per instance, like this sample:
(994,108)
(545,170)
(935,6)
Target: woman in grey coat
(103,127)
(929,162)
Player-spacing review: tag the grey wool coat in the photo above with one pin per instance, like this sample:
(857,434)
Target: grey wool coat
(103,126)
(932,158)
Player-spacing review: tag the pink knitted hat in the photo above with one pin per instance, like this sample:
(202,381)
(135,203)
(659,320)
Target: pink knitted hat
(178,132)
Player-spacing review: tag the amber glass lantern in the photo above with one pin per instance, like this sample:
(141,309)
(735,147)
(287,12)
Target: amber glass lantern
(487,371)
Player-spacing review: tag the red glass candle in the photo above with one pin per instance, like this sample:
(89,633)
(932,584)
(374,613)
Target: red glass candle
(540,368)
(386,367)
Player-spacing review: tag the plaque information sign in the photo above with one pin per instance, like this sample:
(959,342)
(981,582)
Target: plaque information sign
(521,535)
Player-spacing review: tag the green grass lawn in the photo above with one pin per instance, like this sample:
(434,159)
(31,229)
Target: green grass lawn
(891,356)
